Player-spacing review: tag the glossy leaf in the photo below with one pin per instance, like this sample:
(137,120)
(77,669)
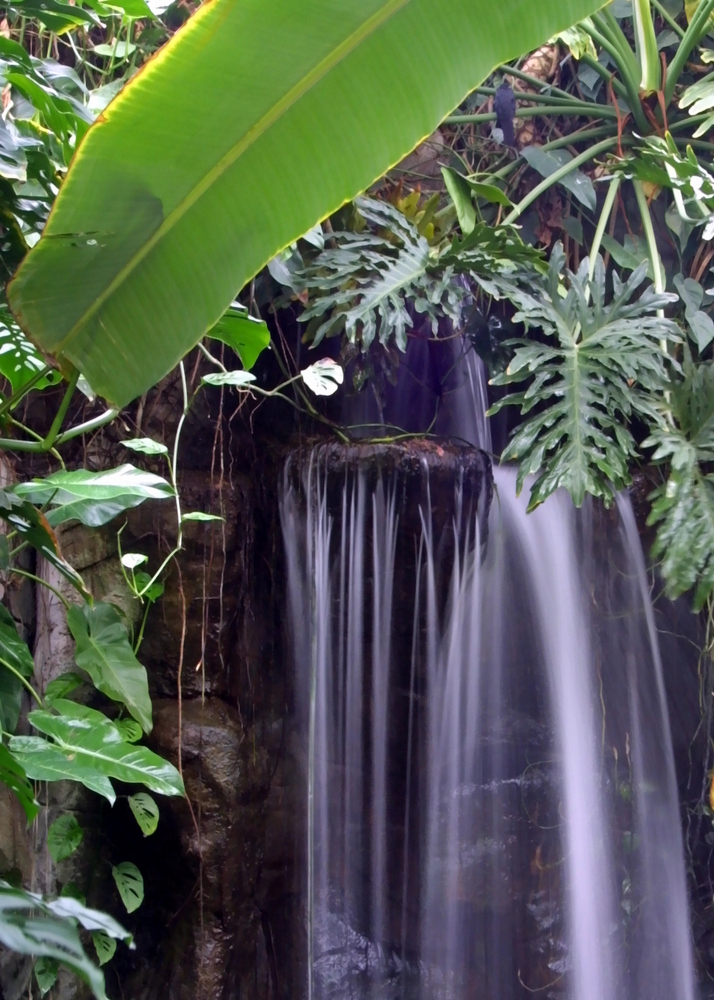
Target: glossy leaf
(105,653)
(12,775)
(145,811)
(94,498)
(94,742)
(30,926)
(45,761)
(247,336)
(460,194)
(163,240)
(130,883)
(199,515)
(64,837)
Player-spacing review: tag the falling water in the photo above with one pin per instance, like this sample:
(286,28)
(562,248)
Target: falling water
(491,791)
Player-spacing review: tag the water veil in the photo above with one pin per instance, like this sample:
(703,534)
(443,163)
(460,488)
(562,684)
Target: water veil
(489,778)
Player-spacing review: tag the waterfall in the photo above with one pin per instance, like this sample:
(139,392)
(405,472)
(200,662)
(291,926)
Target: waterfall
(492,806)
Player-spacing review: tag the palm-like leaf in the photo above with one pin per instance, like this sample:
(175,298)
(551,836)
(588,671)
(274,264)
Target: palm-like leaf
(601,365)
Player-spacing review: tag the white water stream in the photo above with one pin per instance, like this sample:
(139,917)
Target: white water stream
(492,807)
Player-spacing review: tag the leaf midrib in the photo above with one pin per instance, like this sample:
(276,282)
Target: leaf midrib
(333,59)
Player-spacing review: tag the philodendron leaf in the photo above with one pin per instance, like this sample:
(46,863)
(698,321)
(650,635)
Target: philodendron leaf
(12,775)
(46,972)
(87,739)
(130,884)
(104,651)
(247,336)
(178,234)
(31,926)
(45,761)
(94,498)
(104,946)
(146,812)
(64,837)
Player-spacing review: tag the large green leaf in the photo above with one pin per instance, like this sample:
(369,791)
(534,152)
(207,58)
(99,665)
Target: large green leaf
(286,111)
(45,761)
(32,925)
(93,498)
(596,366)
(104,651)
(94,742)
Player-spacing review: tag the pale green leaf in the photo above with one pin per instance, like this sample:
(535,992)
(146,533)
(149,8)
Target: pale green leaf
(175,235)
(247,336)
(94,498)
(146,812)
(46,971)
(238,379)
(104,946)
(147,446)
(199,515)
(130,883)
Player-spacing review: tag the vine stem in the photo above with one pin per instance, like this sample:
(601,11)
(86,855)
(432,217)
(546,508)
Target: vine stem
(23,680)
(602,222)
(44,583)
(558,175)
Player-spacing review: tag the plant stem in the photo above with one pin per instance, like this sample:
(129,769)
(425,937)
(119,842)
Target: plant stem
(664,13)
(602,222)
(7,404)
(88,425)
(582,110)
(143,626)
(535,82)
(693,34)
(61,412)
(44,583)
(558,175)
(23,680)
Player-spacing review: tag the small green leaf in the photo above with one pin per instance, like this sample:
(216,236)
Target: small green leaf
(46,972)
(147,446)
(198,515)
(146,812)
(71,891)
(155,590)
(104,651)
(239,379)
(104,946)
(130,730)
(118,50)
(61,686)
(15,658)
(247,336)
(130,884)
(64,837)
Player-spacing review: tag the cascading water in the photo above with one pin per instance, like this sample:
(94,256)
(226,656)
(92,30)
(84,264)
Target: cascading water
(491,792)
